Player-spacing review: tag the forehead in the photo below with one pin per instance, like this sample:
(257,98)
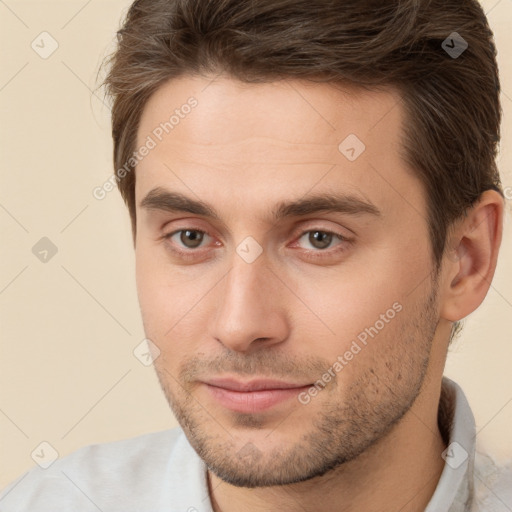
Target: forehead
(263,137)
(304,111)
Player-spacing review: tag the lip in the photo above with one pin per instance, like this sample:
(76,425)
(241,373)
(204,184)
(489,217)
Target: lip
(252,385)
(253,396)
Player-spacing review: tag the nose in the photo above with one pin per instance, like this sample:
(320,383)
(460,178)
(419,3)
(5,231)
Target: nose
(249,308)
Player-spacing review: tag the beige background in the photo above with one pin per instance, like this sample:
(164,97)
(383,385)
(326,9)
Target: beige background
(68,375)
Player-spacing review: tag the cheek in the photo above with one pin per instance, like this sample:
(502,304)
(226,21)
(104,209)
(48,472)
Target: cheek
(154,294)
(343,304)
(171,303)
(365,301)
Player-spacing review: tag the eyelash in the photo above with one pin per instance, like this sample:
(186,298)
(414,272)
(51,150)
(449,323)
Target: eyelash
(314,254)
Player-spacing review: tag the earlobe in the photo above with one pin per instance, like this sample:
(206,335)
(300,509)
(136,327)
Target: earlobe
(470,262)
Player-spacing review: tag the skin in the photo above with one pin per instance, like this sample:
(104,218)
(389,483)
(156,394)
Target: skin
(369,440)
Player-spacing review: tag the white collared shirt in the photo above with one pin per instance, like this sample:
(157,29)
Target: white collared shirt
(161,472)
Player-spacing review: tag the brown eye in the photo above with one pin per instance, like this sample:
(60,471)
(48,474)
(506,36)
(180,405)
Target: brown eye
(188,238)
(191,238)
(321,247)
(321,239)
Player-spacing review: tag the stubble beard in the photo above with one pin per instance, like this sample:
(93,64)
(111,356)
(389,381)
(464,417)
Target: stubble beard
(373,403)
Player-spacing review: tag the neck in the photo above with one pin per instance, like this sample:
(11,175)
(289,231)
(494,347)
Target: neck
(400,472)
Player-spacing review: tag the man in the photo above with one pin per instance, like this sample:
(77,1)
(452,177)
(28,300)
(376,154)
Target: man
(315,206)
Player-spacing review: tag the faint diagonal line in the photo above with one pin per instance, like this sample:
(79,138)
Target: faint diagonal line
(492,491)
(291,494)
(96,300)
(14,423)
(168,168)
(310,104)
(418,492)
(411,411)
(75,15)
(506,95)
(14,218)
(400,99)
(74,218)
(85,85)
(211,82)
(501,295)
(493,287)
(318,181)
(280,423)
(209,485)
(88,497)
(496,414)
(14,486)
(492,8)
(420,283)
(88,412)
(307,192)
(13,279)
(13,13)
(398,193)
(192,307)
(14,76)
(332,332)
(199,403)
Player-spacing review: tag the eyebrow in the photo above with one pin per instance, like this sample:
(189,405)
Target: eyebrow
(165,200)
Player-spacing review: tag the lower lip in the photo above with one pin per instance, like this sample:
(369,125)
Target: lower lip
(252,401)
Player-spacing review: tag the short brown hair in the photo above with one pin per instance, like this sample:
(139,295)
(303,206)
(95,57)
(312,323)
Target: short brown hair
(452,105)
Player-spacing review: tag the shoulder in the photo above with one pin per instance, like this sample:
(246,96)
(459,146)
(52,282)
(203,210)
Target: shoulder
(96,476)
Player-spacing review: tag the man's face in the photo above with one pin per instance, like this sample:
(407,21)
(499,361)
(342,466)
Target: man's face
(344,298)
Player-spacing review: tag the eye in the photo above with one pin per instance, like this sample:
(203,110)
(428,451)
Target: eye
(320,239)
(190,238)
(190,244)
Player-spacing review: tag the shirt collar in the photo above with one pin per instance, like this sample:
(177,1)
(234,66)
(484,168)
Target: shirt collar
(454,492)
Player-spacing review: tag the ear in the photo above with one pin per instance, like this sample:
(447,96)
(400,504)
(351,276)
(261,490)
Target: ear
(470,259)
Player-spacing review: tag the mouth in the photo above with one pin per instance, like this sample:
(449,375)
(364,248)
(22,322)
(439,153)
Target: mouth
(252,396)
